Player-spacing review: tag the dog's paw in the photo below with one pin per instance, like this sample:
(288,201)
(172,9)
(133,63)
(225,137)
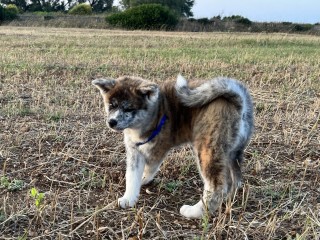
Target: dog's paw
(195,211)
(126,202)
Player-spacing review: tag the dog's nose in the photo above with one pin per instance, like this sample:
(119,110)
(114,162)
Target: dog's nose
(112,123)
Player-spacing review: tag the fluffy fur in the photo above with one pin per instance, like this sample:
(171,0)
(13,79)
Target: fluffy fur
(214,116)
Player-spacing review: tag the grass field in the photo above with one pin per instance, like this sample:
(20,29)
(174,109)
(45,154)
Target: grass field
(53,137)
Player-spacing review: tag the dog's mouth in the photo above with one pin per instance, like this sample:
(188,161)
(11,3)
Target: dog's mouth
(114,125)
(116,128)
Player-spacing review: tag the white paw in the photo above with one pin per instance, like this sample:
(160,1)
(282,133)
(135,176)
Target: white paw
(195,211)
(127,202)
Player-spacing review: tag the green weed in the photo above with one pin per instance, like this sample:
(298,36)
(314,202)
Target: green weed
(37,196)
(2,216)
(91,179)
(55,117)
(11,185)
(173,186)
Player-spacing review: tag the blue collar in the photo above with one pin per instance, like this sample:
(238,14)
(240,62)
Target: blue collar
(155,132)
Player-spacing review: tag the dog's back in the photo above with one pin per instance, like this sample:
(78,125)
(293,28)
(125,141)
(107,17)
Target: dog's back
(188,108)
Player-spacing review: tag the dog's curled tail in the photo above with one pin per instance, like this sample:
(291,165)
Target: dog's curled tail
(231,89)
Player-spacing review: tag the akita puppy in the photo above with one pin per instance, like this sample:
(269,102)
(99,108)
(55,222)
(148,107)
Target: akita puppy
(215,116)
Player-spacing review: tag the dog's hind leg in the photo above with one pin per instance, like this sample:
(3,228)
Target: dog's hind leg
(213,172)
(235,177)
(213,160)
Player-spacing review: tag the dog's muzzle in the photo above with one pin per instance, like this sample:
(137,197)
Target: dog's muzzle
(112,123)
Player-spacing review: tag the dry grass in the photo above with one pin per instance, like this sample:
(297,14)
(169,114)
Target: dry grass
(59,20)
(53,136)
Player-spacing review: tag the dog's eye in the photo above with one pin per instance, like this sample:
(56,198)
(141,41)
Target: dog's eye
(113,105)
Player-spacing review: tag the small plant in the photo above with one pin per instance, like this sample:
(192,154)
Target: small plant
(172,186)
(4,182)
(24,111)
(205,220)
(55,117)
(81,9)
(37,196)
(91,179)
(2,216)
(260,107)
(13,185)
(24,236)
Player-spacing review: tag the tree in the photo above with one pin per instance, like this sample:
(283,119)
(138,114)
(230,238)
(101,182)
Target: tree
(181,7)
(101,5)
(124,4)
(8,13)
(46,5)
(58,5)
(81,9)
(12,9)
(21,4)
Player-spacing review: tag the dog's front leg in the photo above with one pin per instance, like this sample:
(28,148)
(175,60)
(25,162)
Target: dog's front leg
(134,171)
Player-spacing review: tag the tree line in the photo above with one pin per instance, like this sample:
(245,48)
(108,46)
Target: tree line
(180,7)
(58,5)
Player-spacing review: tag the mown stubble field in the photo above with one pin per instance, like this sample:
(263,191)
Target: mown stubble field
(53,137)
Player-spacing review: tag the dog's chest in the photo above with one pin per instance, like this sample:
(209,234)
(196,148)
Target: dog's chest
(146,150)
(131,141)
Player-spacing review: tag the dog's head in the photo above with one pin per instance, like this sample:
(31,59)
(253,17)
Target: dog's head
(128,101)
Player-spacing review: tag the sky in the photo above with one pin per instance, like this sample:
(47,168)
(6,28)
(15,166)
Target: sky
(298,11)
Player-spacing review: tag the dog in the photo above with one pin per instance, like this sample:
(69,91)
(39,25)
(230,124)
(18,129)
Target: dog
(215,116)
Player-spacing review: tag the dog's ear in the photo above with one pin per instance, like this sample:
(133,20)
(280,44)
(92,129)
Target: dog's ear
(104,85)
(149,90)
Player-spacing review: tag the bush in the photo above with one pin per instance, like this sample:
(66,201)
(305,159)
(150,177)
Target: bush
(81,9)
(203,21)
(8,13)
(238,19)
(2,13)
(145,16)
(12,9)
(200,20)
(244,21)
(302,27)
(218,17)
